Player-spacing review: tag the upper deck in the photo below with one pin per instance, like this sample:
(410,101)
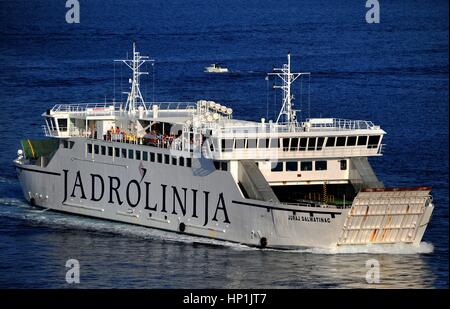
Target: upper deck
(194,127)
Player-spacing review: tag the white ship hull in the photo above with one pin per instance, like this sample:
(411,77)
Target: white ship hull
(206,203)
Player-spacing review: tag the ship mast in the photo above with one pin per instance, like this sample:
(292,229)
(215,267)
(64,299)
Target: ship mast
(135,98)
(287,114)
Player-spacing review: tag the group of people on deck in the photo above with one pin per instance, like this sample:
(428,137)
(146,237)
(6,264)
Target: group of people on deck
(153,138)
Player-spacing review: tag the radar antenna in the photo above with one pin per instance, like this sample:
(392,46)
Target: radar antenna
(135,98)
(287,114)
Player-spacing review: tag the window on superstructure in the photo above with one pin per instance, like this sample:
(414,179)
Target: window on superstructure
(181,161)
(303,143)
(227,144)
(286,144)
(340,141)
(343,164)
(166,159)
(117,152)
(89,148)
(362,140)
(312,143)
(240,143)
(124,153)
(138,154)
(277,167)
(373,141)
(174,161)
(188,162)
(96,149)
(130,153)
(216,165)
(62,124)
(291,166)
(351,141)
(110,151)
(263,143)
(321,165)
(103,150)
(330,141)
(294,144)
(71,144)
(65,144)
(145,155)
(274,143)
(224,166)
(251,143)
(152,157)
(306,166)
(159,157)
(320,141)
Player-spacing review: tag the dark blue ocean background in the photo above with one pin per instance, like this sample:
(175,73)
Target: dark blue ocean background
(394,73)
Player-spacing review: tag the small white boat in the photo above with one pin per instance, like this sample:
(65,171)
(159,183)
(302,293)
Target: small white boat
(215,68)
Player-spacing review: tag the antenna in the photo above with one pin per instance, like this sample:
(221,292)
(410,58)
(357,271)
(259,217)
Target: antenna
(135,98)
(287,113)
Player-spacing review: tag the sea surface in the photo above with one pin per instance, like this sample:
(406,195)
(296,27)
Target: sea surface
(394,73)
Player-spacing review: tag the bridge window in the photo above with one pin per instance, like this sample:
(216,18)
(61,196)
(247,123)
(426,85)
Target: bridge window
(294,144)
(263,143)
(292,166)
(227,144)
(343,164)
(321,165)
(138,154)
(340,142)
(62,124)
(373,141)
(240,143)
(351,141)
(274,143)
(320,141)
(306,166)
(312,143)
(286,144)
(130,153)
(362,140)
(331,141)
(251,143)
(277,167)
(303,142)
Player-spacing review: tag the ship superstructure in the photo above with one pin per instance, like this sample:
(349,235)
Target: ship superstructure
(190,167)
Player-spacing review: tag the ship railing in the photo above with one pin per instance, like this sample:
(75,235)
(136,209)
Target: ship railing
(257,128)
(170,105)
(337,124)
(317,204)
(111,107)
(318,124)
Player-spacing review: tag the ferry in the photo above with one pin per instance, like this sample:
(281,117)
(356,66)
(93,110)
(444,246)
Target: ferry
(192,168)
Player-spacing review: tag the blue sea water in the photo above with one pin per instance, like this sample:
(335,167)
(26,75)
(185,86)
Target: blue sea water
(394,73)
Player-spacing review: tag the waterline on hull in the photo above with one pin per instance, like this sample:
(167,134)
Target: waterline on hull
(22,211)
